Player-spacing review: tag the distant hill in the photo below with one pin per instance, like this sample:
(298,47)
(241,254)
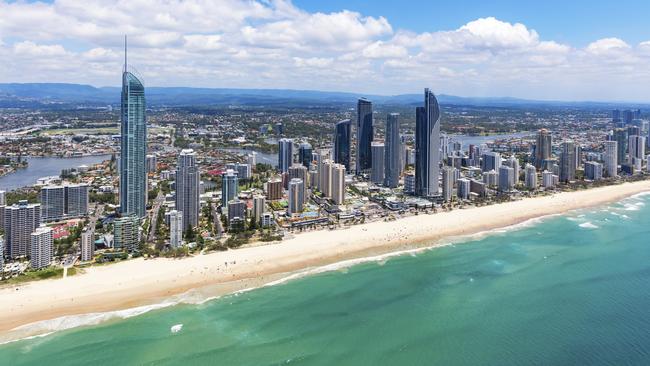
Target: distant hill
(43,94)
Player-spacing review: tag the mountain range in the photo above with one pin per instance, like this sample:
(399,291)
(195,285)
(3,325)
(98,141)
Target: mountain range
(25,95)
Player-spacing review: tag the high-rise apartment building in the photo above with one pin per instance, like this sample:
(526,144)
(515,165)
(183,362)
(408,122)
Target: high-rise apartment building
(126,233)
(230,186)
(611,159)
(448,177)
(392,153)
(338,184)
(567,162)
(87,245)
(377,168)
(365,135)
(187,188)
(543,147)
(305,154)
(133,151)
(285,154)
(296,196)
(342,138)
(20,221)
(427,146)
(176,228)
(41,247)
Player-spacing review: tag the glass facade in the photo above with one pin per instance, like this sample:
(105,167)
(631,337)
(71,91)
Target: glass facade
(133,176)
(364,136)
(427,146)
(342,143)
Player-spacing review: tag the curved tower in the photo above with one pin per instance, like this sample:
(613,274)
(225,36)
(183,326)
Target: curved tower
(133,176)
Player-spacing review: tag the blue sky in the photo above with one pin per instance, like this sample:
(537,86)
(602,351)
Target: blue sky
(578,22)
(560,50)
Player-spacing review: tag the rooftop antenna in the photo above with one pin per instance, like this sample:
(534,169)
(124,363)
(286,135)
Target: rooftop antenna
(125,67)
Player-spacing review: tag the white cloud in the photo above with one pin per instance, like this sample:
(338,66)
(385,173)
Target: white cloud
(607,45)
(274,44)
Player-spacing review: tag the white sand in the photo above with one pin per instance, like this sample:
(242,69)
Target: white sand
(139,282)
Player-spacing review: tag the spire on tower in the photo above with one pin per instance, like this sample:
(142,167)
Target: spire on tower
(125,67)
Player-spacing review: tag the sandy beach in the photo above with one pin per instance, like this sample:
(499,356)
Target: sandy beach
(141,282)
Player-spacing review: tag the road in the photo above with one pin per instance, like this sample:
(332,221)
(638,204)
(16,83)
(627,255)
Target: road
(160,199)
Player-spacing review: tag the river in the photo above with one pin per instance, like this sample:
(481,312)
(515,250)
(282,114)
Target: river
(40,167)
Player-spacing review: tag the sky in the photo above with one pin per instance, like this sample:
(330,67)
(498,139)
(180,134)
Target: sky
(553,50)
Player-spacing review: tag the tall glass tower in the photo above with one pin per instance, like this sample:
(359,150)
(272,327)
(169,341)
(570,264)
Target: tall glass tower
(133,176)
(427,146)
(365,136)
(342,143)
(392,153)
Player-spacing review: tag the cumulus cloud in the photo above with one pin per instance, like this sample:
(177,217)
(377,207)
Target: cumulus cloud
(274,44)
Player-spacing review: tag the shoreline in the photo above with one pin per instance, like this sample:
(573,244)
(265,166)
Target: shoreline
(141,283)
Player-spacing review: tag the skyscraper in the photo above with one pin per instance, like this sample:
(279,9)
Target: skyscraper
(230,186)
(427,146)
(305,154)
(377,169)
(365,135)
(87,244)
(543,147)
(20,221)
(567,162)
(133,152)
(59,202)
(491,161)
(285,154)
(636,147)
(338,184)
(41,247)
(342,143)
(506,178)
(259,207)
(620,136)
(126,232)
(610,159)
(176,228)
(392,153)
(447,182)
(187,188)
(530,176)
(296,196)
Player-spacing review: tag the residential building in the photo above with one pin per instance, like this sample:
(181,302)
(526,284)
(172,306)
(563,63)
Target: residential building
(285,154)
(377,168)
(530,176)
(87,245)
(296,196)
(543,147)
(342,139)
(133,152)
(41,247)
(20,221)
(448,183)
(126,233)
(567,162)
(176,228)
(230,186)
(392,153)
(274,189)
(187,188)
(338,184)
(305,154)
(365,135)
(611,159)
(427,146)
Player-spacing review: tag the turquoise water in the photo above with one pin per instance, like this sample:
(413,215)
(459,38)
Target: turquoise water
(568,290)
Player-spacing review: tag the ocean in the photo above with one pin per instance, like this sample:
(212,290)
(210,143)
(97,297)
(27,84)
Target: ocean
(561,290)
